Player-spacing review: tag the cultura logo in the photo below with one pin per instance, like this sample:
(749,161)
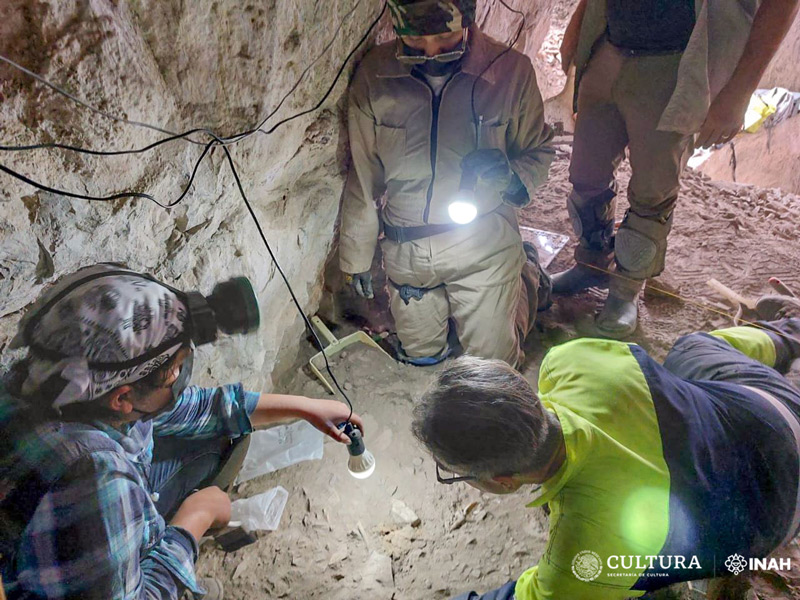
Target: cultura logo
(587,565)
(736,563)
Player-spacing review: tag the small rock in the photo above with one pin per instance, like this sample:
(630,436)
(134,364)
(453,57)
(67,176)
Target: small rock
(418,462)
(241,568)
(343,354)
(378,570)
(338,557)
(403,514)
(347,385)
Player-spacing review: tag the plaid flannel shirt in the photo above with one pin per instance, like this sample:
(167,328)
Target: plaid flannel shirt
(95,532)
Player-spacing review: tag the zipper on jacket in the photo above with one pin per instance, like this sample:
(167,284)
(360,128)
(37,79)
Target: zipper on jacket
(436,102)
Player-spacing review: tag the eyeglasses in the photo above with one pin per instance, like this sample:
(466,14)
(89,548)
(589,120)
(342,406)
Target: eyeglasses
(444,57)
(451,480)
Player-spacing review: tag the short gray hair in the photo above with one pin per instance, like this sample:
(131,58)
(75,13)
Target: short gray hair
(481,417)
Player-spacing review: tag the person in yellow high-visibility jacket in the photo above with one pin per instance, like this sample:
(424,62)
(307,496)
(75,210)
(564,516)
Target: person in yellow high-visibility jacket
(654,474)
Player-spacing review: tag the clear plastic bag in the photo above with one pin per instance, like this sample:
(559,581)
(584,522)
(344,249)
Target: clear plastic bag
(281,446)
(261,512)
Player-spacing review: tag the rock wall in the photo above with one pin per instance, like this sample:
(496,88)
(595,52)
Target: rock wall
(783,70)
(179,65)
(760,158)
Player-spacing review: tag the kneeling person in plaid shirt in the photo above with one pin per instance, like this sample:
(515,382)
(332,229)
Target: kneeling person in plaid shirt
(109,476)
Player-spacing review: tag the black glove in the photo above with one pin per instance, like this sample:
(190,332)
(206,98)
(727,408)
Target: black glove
(361,283)
(516,194)
(490,169)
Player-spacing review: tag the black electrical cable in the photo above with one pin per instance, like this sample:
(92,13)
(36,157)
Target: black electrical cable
(118,196)
(306,320)
(185,135)
(338,75)
(487,67)
(215,141)
(77,100)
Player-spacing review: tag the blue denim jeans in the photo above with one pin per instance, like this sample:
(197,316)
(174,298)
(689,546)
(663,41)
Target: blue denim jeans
(181,465)
(504,593)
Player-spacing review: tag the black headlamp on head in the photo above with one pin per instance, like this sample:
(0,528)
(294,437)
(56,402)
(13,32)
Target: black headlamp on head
(232,307)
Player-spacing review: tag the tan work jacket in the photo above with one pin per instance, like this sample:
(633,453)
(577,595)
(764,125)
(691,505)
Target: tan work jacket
(408,143)
(721,31)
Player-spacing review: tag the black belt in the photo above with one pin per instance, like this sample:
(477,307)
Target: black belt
(408,234)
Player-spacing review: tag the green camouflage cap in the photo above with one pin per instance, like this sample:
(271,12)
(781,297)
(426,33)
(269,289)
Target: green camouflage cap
(431,17)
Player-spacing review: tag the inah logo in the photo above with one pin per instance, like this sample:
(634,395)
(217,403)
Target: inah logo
(587,565)
(736,563)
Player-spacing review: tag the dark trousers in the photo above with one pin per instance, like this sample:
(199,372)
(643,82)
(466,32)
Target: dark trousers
(182,465)
(504,593)
(701,356)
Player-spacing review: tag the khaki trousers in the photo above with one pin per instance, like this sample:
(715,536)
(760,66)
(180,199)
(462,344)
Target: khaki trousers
(478,276)
(620,101)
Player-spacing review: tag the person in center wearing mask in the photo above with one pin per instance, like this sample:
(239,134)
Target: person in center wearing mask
(440,102)
(111,465)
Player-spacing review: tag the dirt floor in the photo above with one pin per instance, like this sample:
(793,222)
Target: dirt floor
(341,538)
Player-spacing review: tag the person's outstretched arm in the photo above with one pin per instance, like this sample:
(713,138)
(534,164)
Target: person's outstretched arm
(230,411)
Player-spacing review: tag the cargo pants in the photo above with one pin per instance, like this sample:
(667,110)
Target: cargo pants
(620,100)
(477,275)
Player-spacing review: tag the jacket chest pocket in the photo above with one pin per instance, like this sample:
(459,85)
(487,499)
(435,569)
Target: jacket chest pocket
(391,145)
(493,134)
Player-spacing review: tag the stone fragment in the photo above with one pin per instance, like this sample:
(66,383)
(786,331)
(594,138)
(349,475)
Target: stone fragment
(404,515)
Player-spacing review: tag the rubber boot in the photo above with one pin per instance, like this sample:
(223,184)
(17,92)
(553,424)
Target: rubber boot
(620,315)
(780,317)
(773,307)
(590,271)
(577,279)
(593,222)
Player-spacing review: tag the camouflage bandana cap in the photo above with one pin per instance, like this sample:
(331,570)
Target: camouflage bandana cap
(431,17)
(114,318)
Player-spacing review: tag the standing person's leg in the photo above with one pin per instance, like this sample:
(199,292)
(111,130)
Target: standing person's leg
(657,158)
(598,147)
(421,309)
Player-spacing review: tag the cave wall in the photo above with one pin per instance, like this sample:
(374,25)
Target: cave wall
(783,70)
(762,158)
(221,65)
